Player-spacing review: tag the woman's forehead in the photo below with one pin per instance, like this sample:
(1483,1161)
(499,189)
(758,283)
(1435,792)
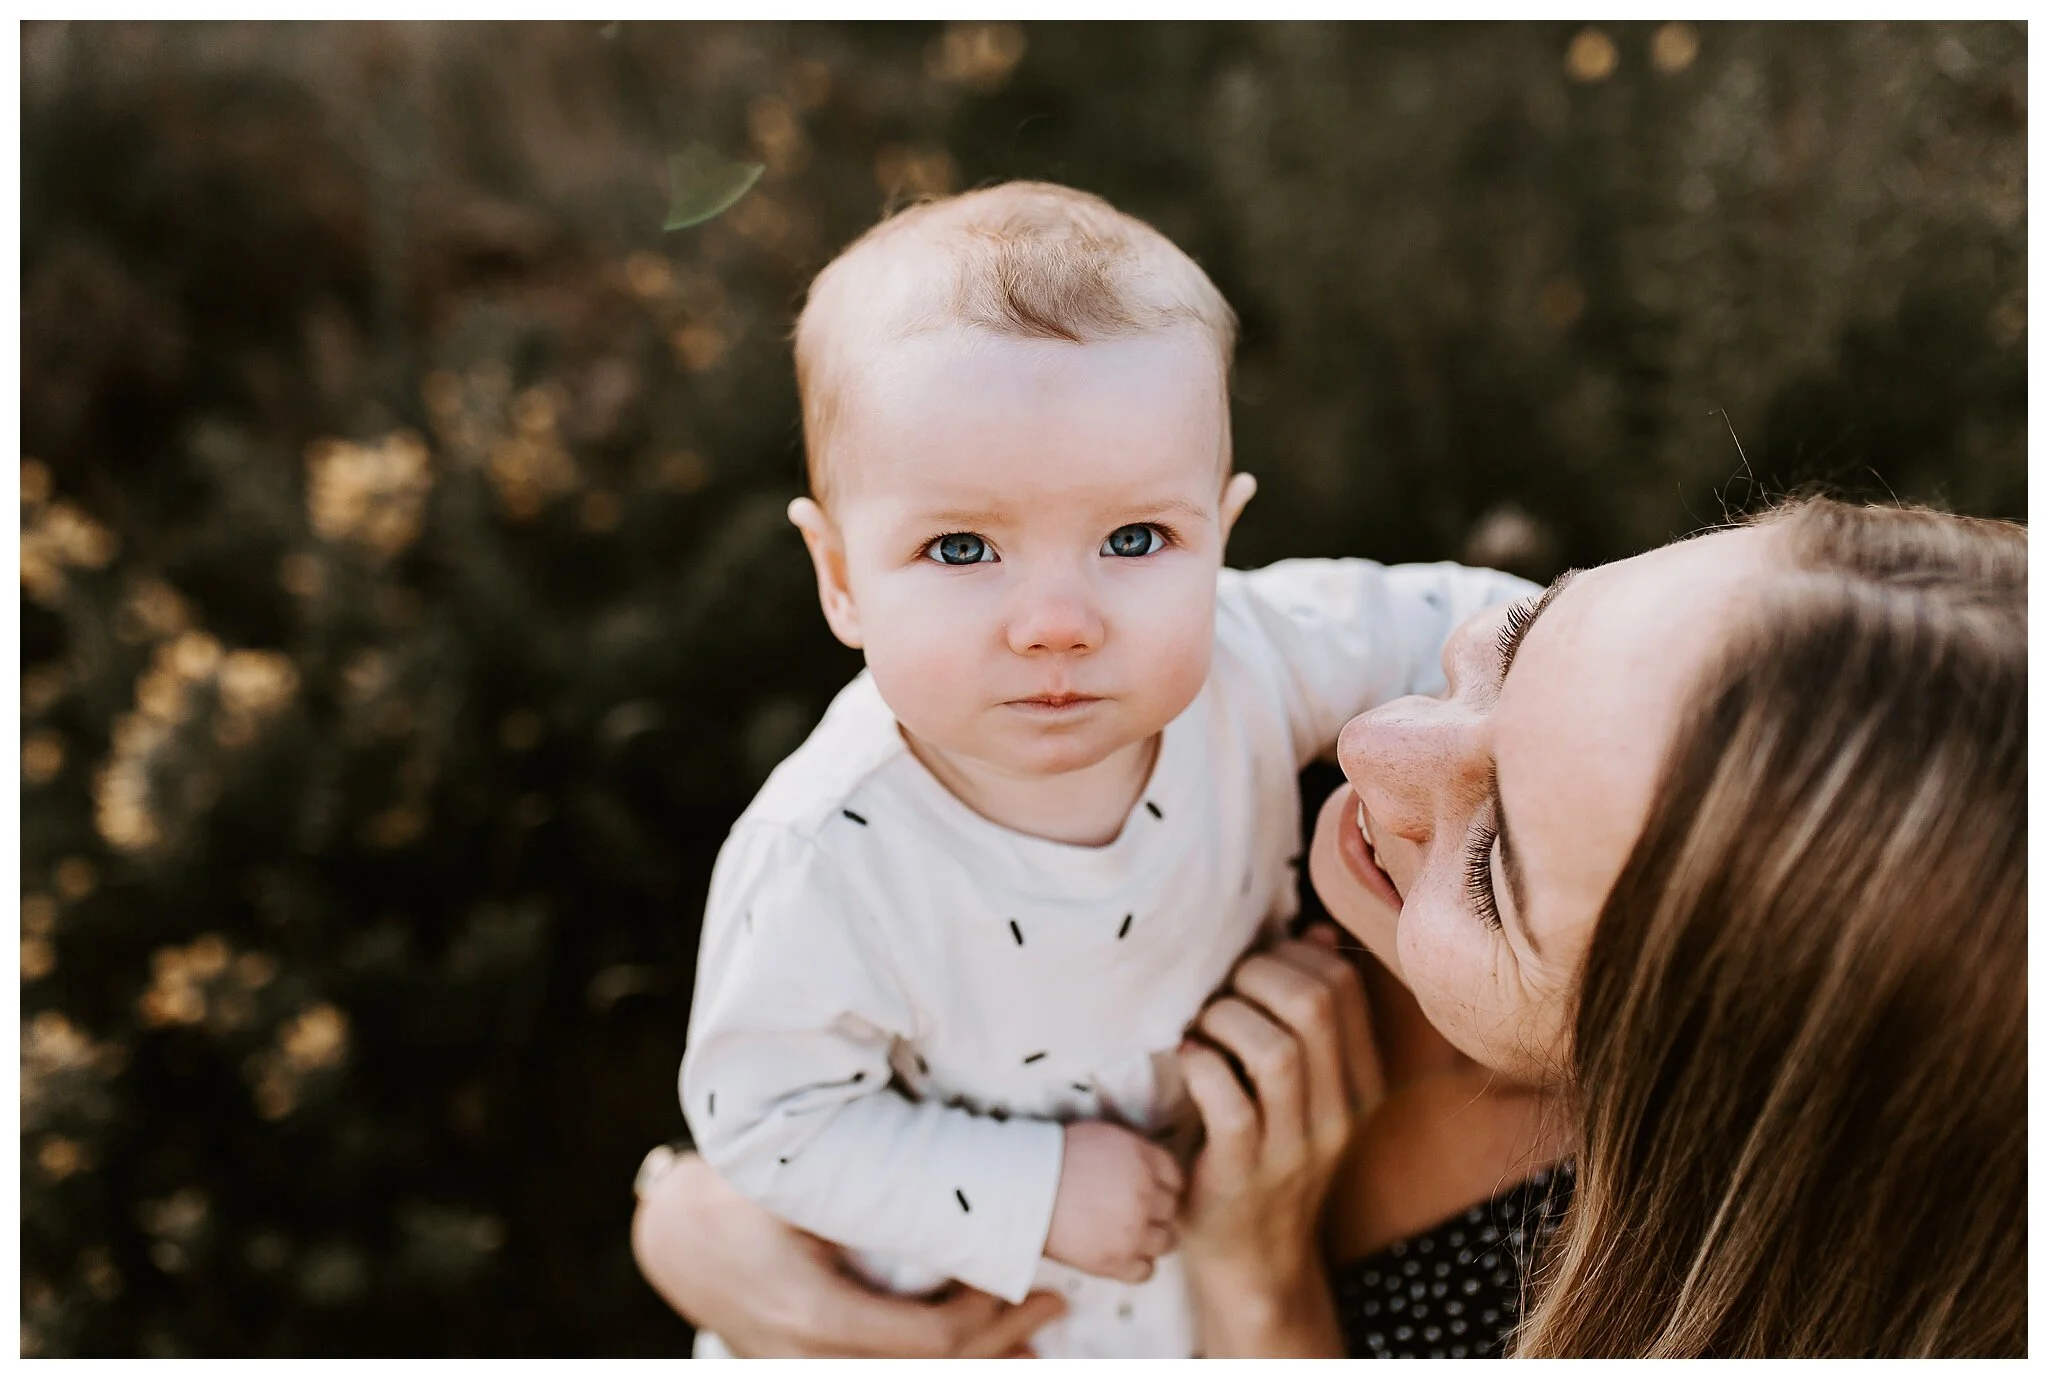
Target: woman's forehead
(1595,697)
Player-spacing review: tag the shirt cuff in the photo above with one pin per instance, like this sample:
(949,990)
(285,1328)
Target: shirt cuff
(1013,1179)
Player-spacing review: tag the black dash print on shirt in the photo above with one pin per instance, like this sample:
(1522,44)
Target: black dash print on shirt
(783,1160)
(1080,1087)
(1034,1057)
(1123,1310)
(1125,927)
(923,1067)
(1153,809)
(1016,933)
(859,1077)
(961,1197)
(711,1104)
(999,1114)
(855,817)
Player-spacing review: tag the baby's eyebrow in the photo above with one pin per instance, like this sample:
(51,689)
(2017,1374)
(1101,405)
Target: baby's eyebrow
(990,517)
(962,517)
(1193,512)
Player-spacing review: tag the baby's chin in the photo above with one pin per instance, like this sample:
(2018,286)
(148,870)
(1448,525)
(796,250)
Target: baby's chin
(1048,752)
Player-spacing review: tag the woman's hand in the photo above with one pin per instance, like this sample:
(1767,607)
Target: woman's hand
(1295,1021)
(767,1288)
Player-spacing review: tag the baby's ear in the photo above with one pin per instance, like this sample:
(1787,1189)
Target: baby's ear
(1237,491)
(828,558)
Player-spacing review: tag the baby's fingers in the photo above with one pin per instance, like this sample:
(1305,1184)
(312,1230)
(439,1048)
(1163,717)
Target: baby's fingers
(1159,1238)
(1166,1171)
(1133,1271)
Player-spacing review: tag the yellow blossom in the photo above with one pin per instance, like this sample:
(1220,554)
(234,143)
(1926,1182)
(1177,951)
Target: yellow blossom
(75,878)
(317,1038)
(42,756)
(371,495)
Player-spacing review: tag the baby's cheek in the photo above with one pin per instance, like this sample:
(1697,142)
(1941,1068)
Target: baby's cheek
(927,671)
(1174,643)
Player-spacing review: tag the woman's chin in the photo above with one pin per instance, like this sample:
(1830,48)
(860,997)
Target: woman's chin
(1368,911)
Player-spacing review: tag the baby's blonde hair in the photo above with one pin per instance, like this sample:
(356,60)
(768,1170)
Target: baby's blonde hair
(1028,260)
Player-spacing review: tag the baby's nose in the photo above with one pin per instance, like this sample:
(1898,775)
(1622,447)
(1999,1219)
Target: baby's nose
(1055,621)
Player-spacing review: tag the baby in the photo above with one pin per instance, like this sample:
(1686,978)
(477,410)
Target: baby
(952,945)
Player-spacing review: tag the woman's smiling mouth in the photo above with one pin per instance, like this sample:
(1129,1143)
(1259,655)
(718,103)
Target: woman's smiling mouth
(1355,845)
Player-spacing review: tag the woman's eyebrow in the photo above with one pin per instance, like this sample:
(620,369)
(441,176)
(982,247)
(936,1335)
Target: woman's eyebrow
(1510,860)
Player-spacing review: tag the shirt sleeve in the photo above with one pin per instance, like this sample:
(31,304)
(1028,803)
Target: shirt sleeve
(786,1084)
(1346,635)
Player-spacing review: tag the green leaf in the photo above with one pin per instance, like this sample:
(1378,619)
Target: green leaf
(703,183)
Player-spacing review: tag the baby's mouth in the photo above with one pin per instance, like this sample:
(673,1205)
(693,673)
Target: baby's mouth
(1052,703)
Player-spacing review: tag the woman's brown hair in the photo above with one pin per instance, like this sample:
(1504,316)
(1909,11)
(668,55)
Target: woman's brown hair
(1799,1062)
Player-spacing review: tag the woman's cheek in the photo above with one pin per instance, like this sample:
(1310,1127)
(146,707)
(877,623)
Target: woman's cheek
(1447,969)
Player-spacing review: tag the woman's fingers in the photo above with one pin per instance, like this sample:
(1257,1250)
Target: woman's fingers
(1364,1077)
(1007,1335)
(1230,1120)
(1304,1000)
(1271,1057)
(863,1322)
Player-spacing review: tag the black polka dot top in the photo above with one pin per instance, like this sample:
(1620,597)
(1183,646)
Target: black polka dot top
(1454,1291)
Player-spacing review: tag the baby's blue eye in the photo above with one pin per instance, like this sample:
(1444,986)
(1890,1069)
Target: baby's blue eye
(960,548)
(1140,538)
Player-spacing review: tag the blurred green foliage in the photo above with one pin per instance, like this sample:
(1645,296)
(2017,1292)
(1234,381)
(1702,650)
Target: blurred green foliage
(408,609)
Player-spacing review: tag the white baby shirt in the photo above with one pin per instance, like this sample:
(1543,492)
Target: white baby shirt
(898,1002)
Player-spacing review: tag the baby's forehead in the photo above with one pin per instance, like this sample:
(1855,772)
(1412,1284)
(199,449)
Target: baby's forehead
(928,363)
(960,409)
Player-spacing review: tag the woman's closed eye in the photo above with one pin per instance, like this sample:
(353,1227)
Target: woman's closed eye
(1479,876)
(1136,539)
(960,548)
(1516,620)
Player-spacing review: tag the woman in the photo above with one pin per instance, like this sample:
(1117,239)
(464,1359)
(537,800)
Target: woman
(1709,870)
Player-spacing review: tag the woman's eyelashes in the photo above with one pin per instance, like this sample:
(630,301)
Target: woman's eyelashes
(1136,539)
(1515,620)
(1479,877)
(960,548)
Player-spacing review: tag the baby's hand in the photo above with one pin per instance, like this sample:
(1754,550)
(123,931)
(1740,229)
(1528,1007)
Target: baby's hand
(1117,1199)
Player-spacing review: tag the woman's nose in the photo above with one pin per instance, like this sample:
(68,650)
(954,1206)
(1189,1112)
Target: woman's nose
(1055,616)
(1413,761)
